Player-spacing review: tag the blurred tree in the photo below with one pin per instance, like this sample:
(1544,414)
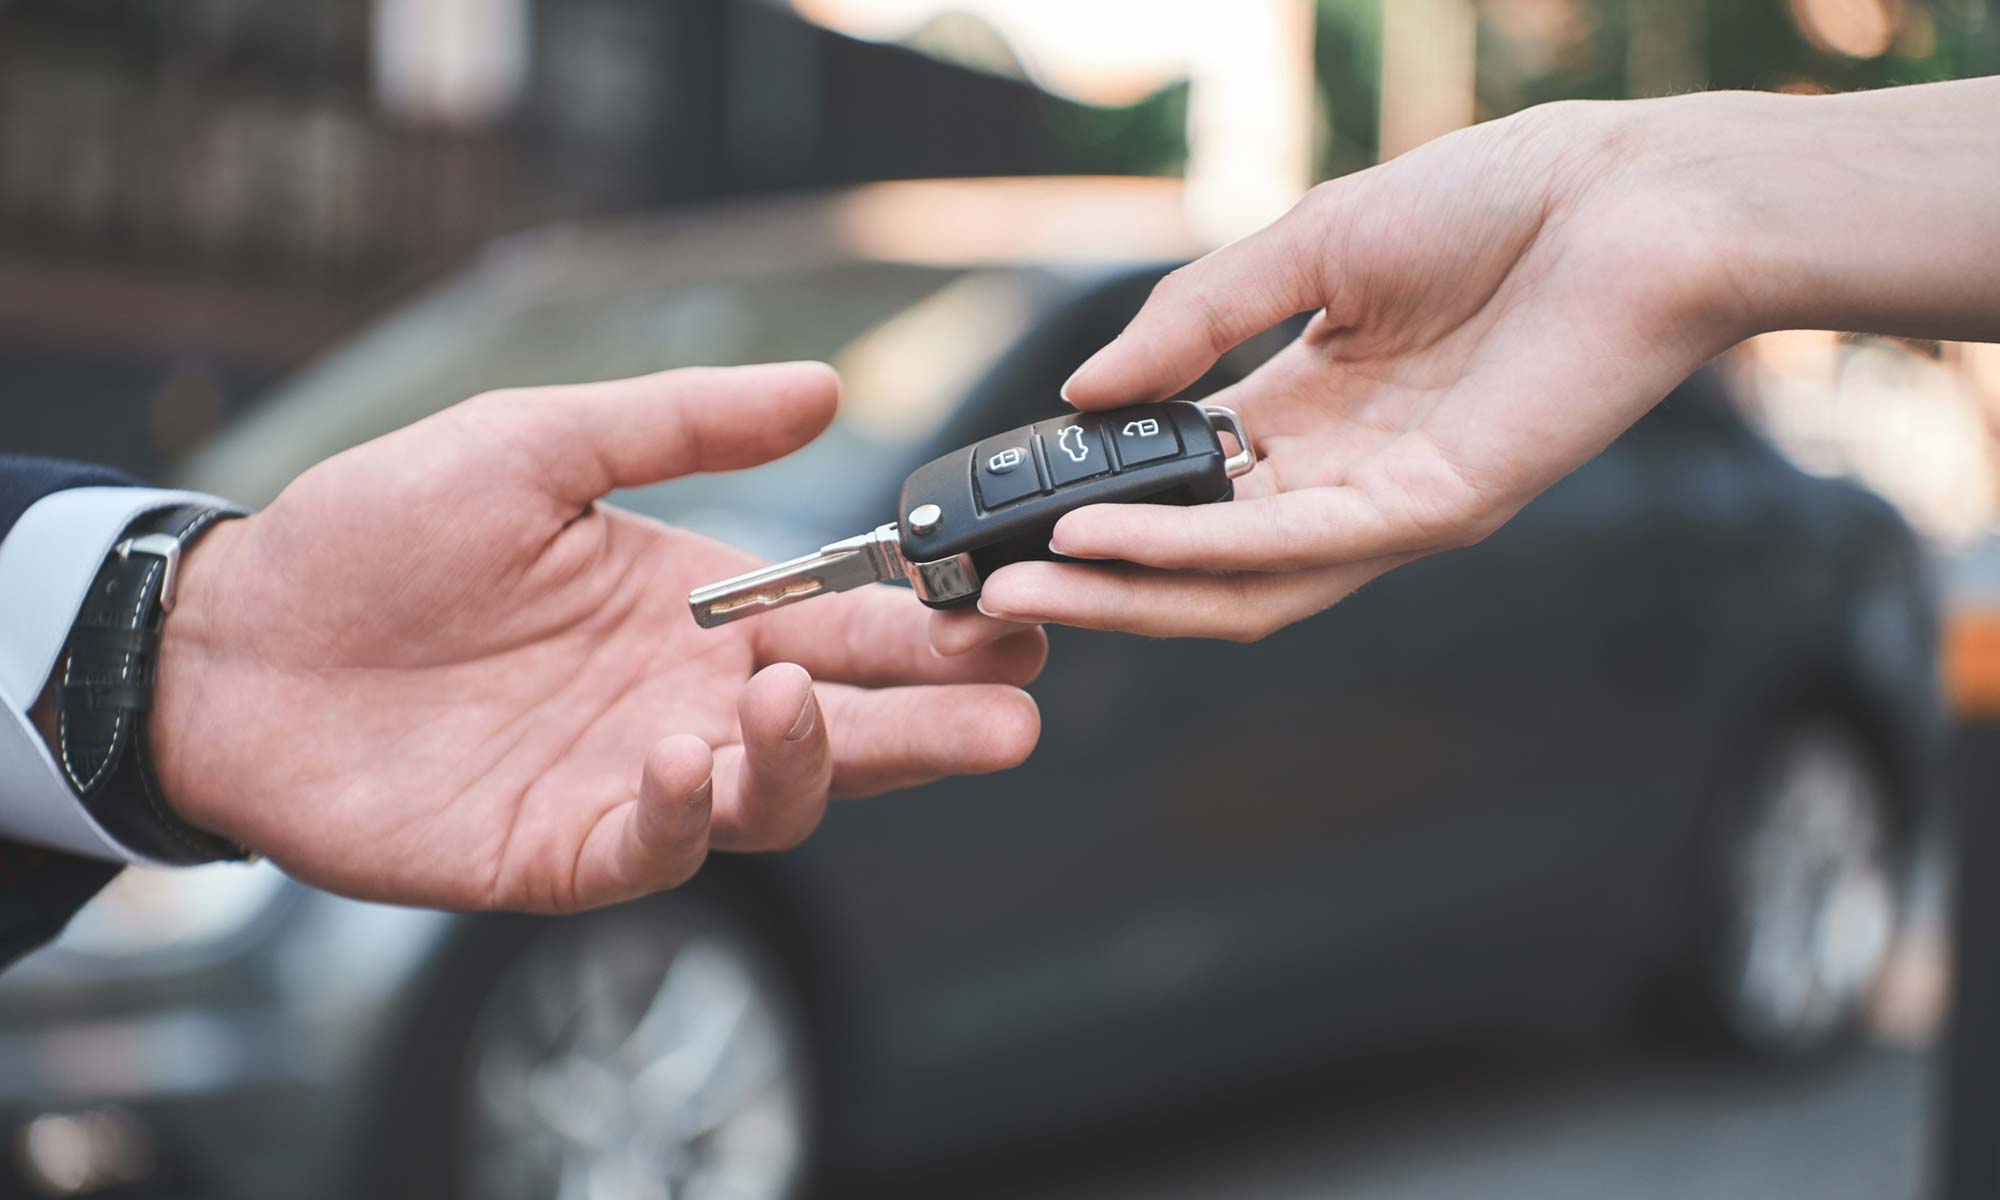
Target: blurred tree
(1535,51)
(1147,138)
(1347,51)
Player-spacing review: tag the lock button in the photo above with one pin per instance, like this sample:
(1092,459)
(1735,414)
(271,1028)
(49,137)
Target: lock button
(1005,468)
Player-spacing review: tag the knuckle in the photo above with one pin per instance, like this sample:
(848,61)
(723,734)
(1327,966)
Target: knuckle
(1215,321)
(1183,292)
(1319,199)
(1243,617)
(1171,292)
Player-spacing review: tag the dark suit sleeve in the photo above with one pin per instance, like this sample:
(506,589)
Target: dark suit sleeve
(40,890)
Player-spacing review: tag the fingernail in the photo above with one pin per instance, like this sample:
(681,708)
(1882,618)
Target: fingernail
(701,794)
(808,716)
(1055,537)
(1081,554)
(1017,618)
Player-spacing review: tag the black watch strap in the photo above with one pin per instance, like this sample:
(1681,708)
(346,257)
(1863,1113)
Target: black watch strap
(108,671)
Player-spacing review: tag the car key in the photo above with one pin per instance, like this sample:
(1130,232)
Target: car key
(973,511)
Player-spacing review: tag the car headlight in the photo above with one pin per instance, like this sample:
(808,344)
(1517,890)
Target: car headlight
(149,910)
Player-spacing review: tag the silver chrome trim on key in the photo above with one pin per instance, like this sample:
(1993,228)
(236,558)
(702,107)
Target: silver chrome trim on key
(1245,458)
(951,578)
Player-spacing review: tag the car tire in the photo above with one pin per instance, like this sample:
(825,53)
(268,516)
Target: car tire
(655,1049)
(1805,893)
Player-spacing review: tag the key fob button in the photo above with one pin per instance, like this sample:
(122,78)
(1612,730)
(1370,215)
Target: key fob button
(1072,448)
(1005,468)
(1144,439)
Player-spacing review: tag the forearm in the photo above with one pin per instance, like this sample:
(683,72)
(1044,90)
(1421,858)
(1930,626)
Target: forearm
(1874,211)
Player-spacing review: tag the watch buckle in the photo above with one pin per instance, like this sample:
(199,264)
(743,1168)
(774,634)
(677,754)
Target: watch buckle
(165,547)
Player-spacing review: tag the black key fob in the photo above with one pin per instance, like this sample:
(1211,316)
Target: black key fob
(965,515)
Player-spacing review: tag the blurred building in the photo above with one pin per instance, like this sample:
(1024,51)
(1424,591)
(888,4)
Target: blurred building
(196,195)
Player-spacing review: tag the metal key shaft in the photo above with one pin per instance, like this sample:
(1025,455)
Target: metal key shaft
(872,557)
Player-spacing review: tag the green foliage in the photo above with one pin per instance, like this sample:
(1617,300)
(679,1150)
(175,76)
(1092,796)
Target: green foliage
(1753,44)
(1347,66)
(1147,138)
(1757,44)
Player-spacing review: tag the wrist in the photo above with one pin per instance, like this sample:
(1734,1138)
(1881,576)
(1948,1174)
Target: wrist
(1753,163)
(1635,187)
(1870,211)
(1692,165)
(191,645)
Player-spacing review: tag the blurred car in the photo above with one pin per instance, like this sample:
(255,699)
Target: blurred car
(1662,743)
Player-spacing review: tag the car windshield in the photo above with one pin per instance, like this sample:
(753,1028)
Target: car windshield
(908,341)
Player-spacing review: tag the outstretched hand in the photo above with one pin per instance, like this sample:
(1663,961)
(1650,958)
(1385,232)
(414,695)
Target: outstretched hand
(1492,309)
(436,671)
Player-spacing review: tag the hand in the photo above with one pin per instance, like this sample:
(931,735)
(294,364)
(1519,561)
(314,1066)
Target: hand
(1493,309)
(435,671)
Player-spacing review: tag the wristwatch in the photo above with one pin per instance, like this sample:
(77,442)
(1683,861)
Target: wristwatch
(107,674)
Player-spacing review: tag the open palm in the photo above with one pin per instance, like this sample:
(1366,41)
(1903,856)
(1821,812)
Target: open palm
(1486,321)
(436,671)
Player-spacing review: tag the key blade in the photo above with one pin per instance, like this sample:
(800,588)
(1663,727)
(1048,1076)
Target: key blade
(869,558)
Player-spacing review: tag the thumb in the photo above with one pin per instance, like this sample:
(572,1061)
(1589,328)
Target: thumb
(589,438)
(1203,310)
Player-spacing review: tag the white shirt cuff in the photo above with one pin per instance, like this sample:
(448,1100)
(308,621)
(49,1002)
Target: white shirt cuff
(47,562)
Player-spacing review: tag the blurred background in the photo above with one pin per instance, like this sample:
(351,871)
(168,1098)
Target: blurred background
(1627,879)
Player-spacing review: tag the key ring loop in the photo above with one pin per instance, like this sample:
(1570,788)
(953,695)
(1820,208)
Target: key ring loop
(1245,459)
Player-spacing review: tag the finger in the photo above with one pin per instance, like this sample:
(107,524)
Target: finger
(956,631)
(1131,599)
(1286,532)
(776,793)
(882,635)
(1206,308)
(585,439)
(900,737)
(658,840)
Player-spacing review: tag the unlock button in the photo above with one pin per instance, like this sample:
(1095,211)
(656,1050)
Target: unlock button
(1143,438)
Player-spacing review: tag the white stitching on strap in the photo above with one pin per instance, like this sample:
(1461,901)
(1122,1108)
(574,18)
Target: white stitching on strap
(124,673)
(118,723)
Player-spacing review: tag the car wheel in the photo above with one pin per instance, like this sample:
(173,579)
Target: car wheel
(1810,883)
(651,1052)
